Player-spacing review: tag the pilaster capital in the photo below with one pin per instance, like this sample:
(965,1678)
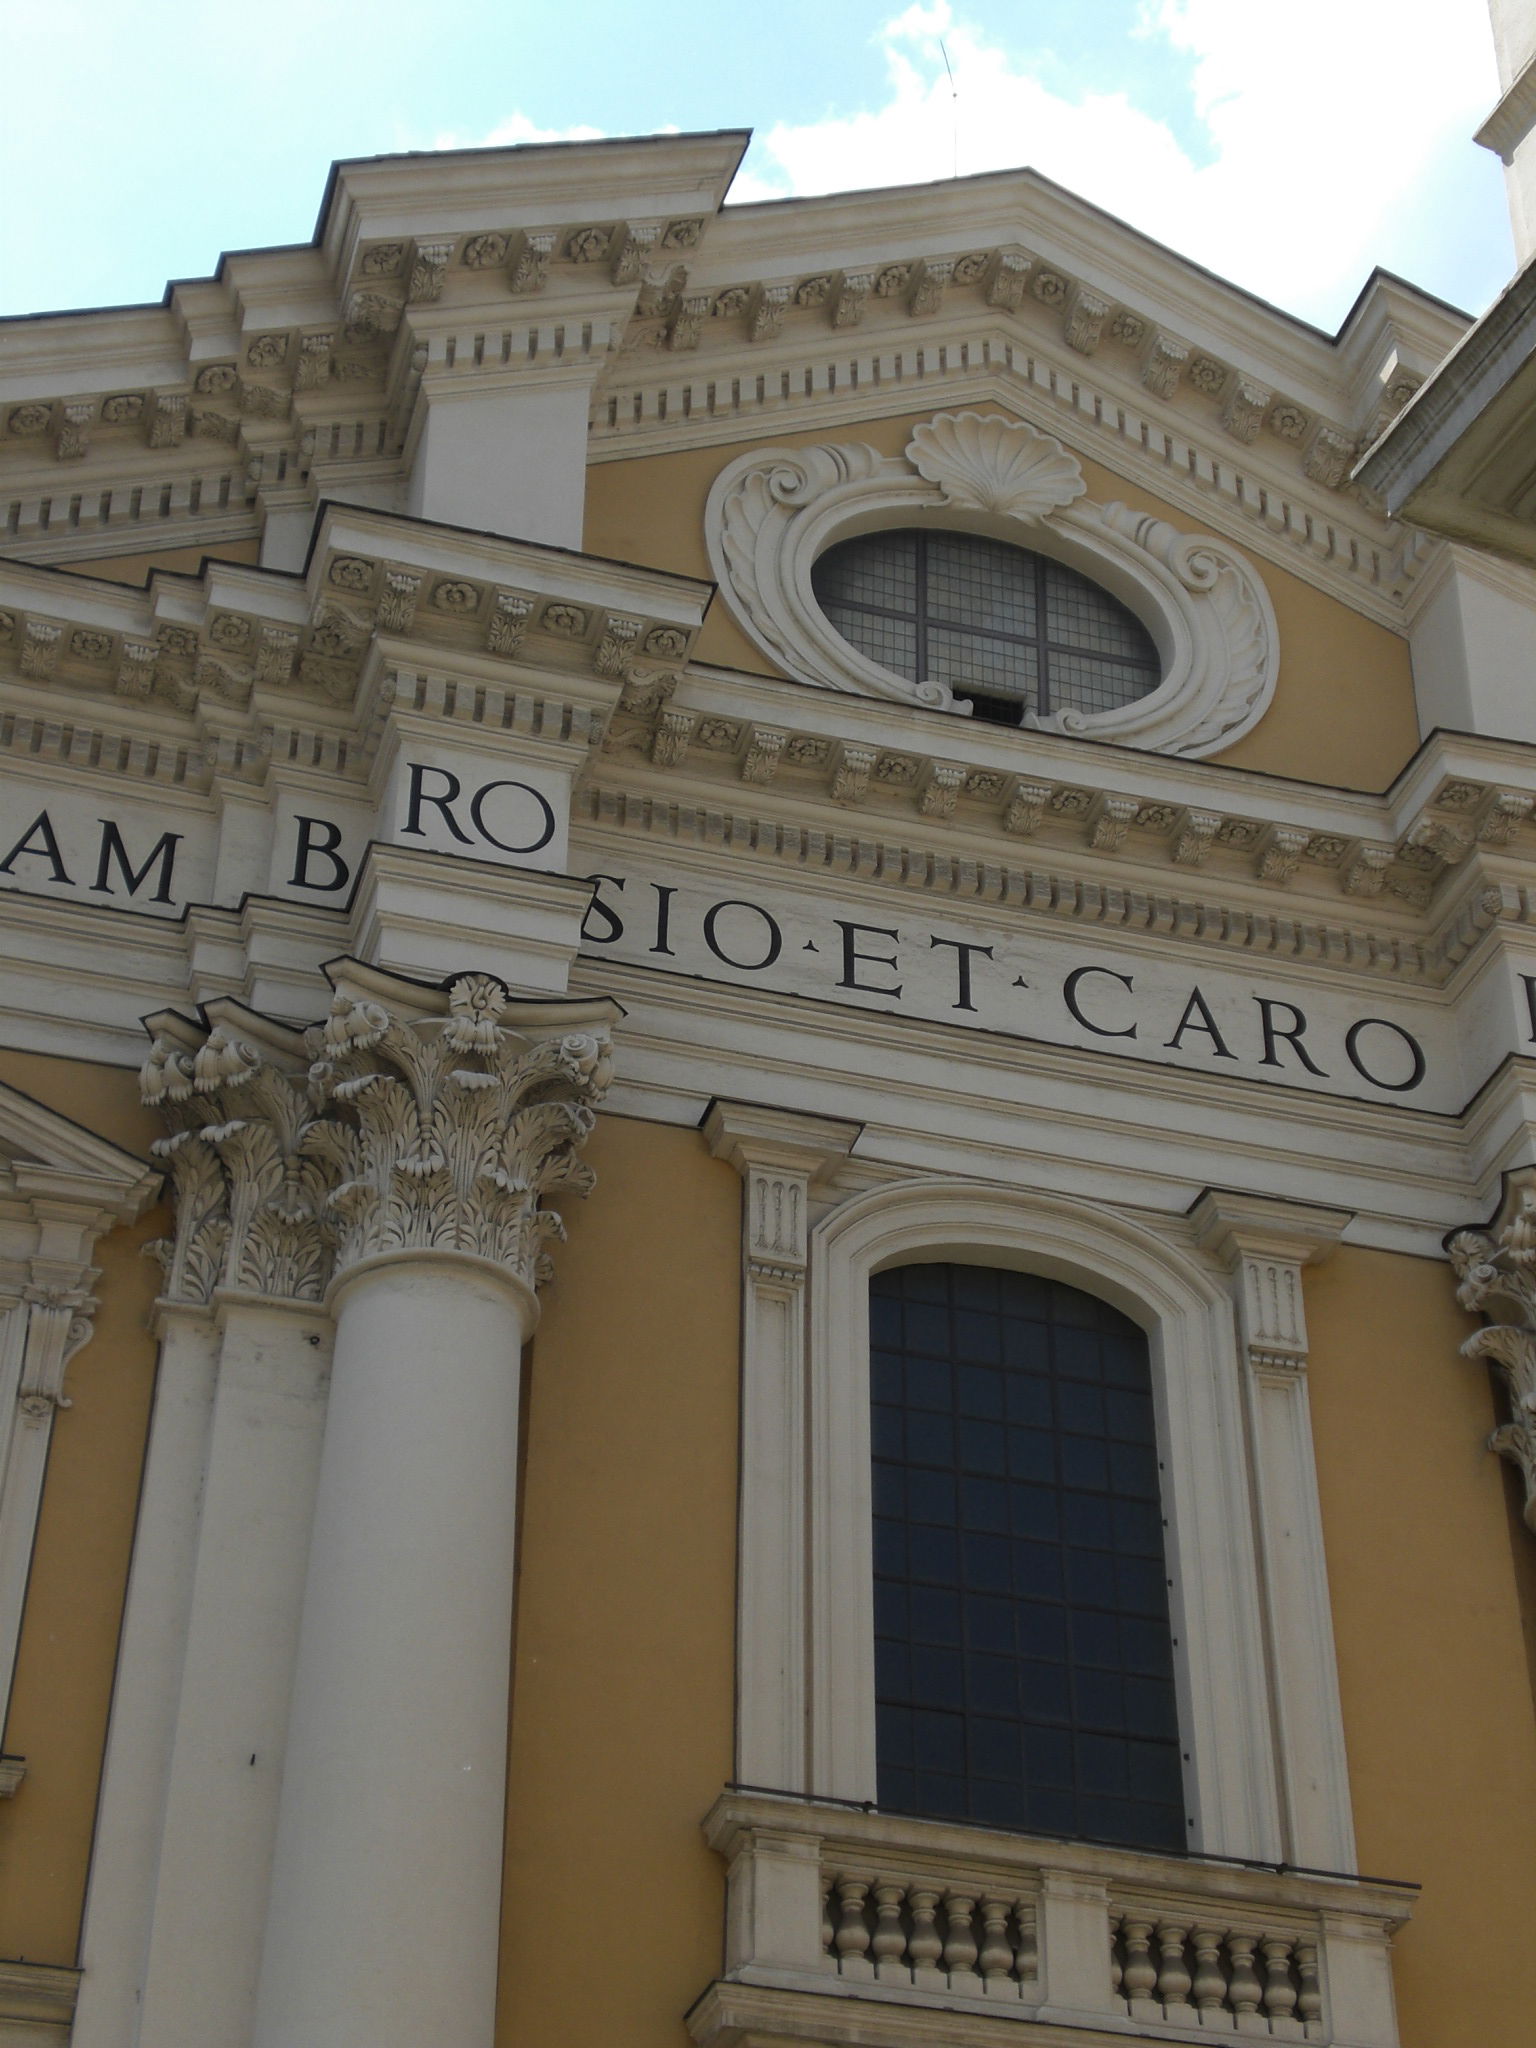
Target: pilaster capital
(1263,1241)
(413,1119)
(1495,1270)
(780,1154)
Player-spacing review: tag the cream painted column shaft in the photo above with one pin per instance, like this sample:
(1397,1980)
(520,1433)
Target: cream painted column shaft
(779,1155)
(1264,1244)
(119,1906)
(386,1882)
(258,1490)
(448,1115)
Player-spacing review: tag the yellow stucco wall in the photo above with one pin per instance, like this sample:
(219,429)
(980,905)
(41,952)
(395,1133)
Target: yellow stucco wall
(68,1648)
(1343,712)
(622,1716)
(1431,1574)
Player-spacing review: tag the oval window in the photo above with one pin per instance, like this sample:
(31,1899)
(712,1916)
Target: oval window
(1012,630)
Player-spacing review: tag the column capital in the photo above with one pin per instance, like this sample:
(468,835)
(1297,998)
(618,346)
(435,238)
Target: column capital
(413,1119)
(1495,1270)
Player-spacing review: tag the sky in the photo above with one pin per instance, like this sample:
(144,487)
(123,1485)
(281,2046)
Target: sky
(1290,145)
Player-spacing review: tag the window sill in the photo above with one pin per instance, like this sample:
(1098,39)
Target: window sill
(846,1925)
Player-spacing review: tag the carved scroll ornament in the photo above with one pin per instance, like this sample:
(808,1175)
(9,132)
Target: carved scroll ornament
(1496,1275)
(772,513)
(293,1155)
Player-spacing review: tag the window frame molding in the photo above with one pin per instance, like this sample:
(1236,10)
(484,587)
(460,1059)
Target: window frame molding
(1216,1602)
(773,512)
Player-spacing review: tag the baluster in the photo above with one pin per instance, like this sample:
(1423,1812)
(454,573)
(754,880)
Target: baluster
(996,1959)
(959,1940)
(1026,1962)
(827,1930)
(1116,1967)
(1309,1999)
(1243,1990)
(925,1949)
(1139,1979)
(852,1930)
(890,1943)
(1279,1992)
(1173,1978)
(1210,1986)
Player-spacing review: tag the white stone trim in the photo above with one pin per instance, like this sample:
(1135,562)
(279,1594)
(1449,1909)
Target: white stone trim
(773,512)
(779,1155)
(1264,1243)
(1223,1688)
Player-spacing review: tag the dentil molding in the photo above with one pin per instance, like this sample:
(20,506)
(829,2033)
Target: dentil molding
(772,513)
(412,1119)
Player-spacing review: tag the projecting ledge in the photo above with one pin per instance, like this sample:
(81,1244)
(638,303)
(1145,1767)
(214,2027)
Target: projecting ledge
(845,1926)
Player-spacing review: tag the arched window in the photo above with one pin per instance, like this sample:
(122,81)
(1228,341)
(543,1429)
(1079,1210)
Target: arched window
(1023,1650)
(1007,628)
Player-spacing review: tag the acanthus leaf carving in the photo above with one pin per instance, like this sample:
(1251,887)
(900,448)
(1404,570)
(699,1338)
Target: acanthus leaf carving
(1496,1277)
(446,1133)
(375,1132)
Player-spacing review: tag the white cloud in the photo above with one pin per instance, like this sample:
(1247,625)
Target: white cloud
(1333,124)
(1338,139)
(517,129)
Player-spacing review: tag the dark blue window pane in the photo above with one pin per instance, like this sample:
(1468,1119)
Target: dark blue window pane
(938,1741)
(989,1624)
(992,1685)
(891,1609)
(931,1497)
(935,1615)
(887,1437)
(1032,1455)
(996,1751)
(931,1441)
(978,1338)
(983,1447)
(1083,1461)
(1024,1666)
(981,1392)
(984,1505)
(988,1564)
(935,1555)
(938,1677)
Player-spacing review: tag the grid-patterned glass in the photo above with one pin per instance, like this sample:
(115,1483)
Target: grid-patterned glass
(1008,628)
(1023,1651)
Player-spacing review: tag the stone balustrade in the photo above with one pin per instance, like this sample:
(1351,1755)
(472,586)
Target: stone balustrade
(828,1905)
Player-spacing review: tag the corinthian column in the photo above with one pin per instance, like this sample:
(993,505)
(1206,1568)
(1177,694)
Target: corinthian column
(447,1118)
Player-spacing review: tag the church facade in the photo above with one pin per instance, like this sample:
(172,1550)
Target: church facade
(766,1105)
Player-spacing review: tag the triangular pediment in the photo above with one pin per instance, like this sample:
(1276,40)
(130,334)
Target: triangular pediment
(45,1154)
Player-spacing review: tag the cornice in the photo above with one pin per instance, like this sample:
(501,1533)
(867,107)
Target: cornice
(1512,119)
(837,782)
(533,264)
(204,673)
